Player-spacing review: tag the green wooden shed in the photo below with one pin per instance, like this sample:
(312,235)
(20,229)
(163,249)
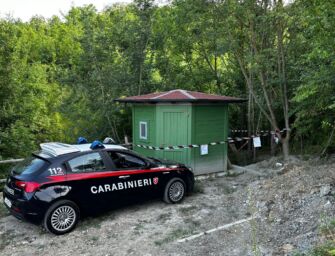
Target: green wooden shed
(180,117)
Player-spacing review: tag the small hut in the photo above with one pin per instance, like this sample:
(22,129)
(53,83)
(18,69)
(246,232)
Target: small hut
(183,126)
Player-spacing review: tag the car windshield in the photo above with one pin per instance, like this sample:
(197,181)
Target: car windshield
(29,165)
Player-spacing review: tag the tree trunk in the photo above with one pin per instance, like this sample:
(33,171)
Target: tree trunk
(286,148)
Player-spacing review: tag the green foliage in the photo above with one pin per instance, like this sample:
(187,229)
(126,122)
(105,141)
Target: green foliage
(30,97)
(327,228)
(326,249)
(59,77)
(315,93)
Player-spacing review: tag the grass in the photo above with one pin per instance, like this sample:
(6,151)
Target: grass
(164,216)
(181,232)
(192,222)
(198,188)
(174,235)
(208,206)
(41,246)
(227,190)
(327,231)
(187,209)
(94,221)
(94,238)
(6,238)
(326,249)
(253,223)
(138,229)
(139,226)
(3,210)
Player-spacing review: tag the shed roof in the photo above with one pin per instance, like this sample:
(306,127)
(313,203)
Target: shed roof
(180,96)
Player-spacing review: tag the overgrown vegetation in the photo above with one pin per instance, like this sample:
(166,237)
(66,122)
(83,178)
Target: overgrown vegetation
(326,249)
(4,171)
(58,77)
(327,236)
(327,229)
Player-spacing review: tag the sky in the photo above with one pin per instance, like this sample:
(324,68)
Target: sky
(25,9)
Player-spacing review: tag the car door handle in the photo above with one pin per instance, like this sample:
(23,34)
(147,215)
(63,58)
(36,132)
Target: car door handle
(124,177)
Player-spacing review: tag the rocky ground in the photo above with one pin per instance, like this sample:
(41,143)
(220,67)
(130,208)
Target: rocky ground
(290,204)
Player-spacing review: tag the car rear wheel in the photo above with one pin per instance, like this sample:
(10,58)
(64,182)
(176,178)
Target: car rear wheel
(61,217)
(174,191)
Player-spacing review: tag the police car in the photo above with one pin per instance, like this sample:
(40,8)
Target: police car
(57,184)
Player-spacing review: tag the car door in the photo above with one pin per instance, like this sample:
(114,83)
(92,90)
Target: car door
(90,176)
(135,174)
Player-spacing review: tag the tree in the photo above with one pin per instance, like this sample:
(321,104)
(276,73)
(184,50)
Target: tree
(314,97)
(59,77)
(256,30)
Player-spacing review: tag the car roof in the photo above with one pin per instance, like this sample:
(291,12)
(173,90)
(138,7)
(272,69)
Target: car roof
(57,149)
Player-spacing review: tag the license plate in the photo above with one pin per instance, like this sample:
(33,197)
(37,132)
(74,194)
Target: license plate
(8,202)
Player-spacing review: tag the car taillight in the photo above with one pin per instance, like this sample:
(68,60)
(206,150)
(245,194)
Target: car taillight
(27,186)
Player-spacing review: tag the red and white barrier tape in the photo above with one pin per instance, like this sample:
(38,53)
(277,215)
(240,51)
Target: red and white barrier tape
(181,146)
(261,131)
(229,140)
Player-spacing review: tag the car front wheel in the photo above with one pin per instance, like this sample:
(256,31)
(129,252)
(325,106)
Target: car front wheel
(61,217)
(174,191)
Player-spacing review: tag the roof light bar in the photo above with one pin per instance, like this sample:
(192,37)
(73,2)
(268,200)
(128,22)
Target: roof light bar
(96,145)
(108,140)
(82,140)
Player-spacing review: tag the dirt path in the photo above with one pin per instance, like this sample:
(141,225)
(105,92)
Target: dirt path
(290,208)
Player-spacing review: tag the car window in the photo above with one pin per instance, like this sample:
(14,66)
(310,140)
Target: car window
(29,165)
(87,163)
(126,161)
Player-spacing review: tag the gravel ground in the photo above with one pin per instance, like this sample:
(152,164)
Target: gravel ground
(290,203)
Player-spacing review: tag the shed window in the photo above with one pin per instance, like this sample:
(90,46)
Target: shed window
(143,130)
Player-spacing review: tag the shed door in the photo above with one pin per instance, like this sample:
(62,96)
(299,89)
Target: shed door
(173,131)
